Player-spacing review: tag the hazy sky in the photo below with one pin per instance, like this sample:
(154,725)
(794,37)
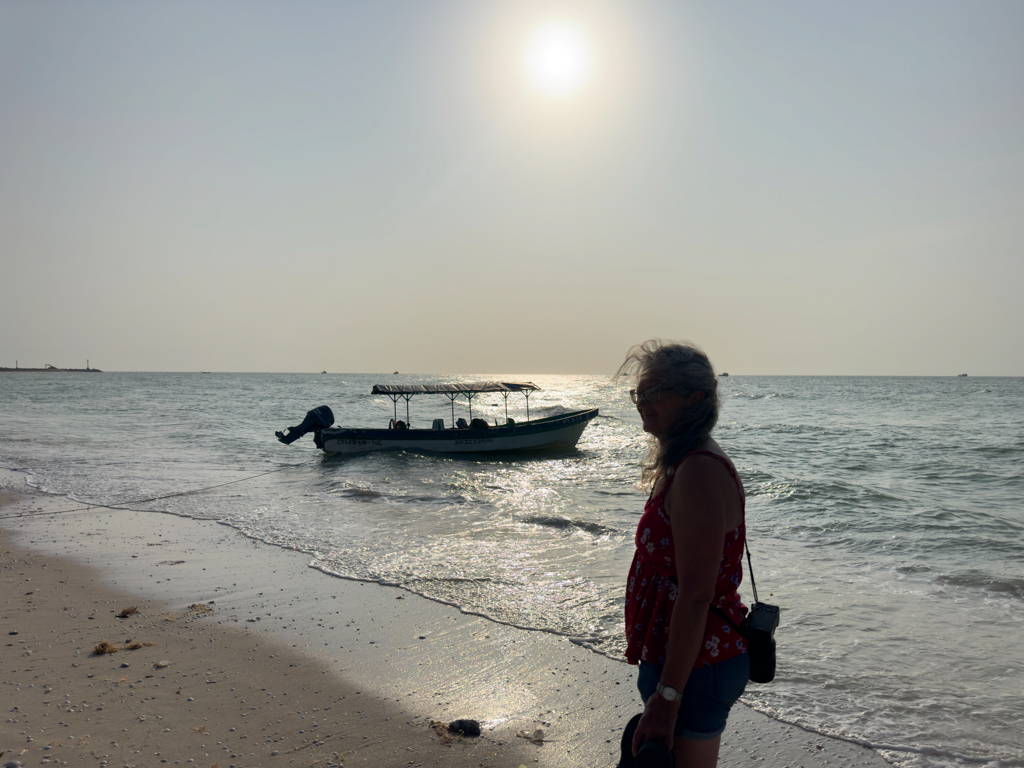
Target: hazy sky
(799,187)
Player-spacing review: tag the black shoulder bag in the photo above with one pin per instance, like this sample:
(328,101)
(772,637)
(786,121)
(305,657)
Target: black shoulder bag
(758,629)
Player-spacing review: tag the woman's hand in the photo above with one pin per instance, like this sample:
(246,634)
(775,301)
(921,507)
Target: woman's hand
(658,722)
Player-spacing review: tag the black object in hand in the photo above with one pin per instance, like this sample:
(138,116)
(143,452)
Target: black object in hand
(653,754)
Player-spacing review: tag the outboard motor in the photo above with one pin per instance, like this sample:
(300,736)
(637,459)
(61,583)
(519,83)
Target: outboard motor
(317,419)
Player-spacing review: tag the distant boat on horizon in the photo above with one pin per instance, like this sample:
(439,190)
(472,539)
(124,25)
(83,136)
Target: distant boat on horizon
(961,375)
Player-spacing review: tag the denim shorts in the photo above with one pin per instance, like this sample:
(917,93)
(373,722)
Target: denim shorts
(707,698)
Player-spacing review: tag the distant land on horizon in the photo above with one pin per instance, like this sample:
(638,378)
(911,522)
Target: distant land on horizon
(50,369)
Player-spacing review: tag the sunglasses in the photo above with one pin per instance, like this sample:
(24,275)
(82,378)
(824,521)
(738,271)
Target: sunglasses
(651,395)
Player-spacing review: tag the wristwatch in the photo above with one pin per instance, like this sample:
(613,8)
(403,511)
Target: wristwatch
(668,693)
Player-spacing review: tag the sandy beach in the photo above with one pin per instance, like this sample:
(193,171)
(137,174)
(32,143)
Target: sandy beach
(249,657)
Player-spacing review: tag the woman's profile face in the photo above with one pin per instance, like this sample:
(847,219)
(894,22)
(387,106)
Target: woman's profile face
(660,406)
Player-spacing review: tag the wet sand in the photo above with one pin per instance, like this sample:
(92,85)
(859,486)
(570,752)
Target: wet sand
(283,665)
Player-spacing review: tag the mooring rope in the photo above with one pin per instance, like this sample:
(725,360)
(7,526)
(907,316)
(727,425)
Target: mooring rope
(124,504)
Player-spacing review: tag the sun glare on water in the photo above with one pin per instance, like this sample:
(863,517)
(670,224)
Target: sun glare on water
(558,59)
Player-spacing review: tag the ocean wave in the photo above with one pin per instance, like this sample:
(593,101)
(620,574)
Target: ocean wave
(752,476)
(544,411)
(591,642)
(984,581)
(618,492)
(913,569)
(815,430)
(452,580)
(454,499)
(816,496)
(363,494)
(896,753)
(566,523)
(998,450)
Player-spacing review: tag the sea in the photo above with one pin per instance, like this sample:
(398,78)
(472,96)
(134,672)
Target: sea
(885,517)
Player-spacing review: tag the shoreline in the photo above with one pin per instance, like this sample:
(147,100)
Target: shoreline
(415,660)
(231,695)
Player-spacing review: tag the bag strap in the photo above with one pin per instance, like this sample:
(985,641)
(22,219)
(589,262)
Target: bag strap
(750,565)
(722,614)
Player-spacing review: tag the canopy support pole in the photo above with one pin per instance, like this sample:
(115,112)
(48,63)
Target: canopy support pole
(527,393)
(451,396)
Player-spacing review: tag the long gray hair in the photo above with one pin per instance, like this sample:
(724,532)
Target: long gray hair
(684,368)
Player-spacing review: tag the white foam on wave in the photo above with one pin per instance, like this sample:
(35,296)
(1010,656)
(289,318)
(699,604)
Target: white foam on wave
(898,753)
(463,609)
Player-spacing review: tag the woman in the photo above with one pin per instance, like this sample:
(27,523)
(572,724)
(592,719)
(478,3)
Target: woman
(689,547)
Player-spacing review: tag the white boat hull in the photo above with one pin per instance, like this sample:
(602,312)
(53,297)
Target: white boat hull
(553,432)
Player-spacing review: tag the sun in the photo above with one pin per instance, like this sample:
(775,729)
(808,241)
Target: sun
(558,59)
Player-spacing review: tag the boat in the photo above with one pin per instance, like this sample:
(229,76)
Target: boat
(476,436)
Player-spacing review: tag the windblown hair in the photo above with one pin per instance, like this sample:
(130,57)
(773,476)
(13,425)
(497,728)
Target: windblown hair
(684,368)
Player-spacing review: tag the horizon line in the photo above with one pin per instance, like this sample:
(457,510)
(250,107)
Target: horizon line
(535,373)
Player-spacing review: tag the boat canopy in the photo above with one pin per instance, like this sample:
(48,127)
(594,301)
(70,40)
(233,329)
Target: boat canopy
(454,389)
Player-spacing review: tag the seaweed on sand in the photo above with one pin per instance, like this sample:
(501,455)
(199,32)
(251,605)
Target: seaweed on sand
(104,647)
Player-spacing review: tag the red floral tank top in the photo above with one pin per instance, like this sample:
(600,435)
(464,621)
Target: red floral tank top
(652,586)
